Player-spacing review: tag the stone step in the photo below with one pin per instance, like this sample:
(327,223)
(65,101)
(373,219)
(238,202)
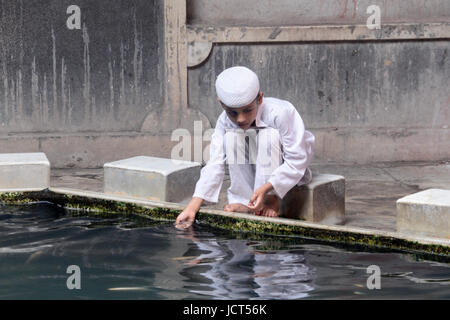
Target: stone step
(425,213)
(322,200)
(151,178)
(24,171)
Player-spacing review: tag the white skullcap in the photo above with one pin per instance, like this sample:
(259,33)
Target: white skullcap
(237,87)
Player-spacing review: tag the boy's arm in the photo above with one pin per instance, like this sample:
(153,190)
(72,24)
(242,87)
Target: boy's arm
(297,152)
(256,202)
(211,178)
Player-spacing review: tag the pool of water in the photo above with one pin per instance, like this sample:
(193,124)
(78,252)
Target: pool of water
(138,258)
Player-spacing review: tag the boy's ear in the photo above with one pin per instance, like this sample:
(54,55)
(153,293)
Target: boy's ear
(261,94)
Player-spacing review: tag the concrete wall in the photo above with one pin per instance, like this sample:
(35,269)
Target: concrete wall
(312,12)
(364,101)
(376,101)
(99,94)
(103,77)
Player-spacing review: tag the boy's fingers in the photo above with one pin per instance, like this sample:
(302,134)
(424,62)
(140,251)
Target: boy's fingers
(183,224)
(179,220)
(184,221)
(252,205)
(256,208)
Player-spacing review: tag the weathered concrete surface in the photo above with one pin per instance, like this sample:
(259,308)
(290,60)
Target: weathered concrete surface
(364,101)
(200,37)
(425,213)
(111,77)
(24,171)
(306,12)
(371,190)
(151,178)
(81,179)
(105,76)
(322,200)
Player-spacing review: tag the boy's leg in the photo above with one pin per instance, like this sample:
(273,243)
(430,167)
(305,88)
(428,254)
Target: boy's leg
(307,178)
(242,173)
(269,158)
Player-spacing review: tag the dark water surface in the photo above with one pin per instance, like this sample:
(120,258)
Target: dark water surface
(137,258)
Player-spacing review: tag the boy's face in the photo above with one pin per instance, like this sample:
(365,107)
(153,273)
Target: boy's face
(244,116)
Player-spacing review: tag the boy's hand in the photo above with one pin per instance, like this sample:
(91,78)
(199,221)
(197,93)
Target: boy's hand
(187,217)
(256,203)
(257,200)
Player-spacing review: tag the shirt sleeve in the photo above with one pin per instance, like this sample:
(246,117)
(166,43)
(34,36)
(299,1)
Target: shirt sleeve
(211,176)
(297,146)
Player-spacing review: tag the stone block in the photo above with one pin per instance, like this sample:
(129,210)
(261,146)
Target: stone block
(24,171)
(425,213)
(151,178)
(322,200)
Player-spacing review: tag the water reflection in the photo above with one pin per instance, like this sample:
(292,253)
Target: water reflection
(236,269)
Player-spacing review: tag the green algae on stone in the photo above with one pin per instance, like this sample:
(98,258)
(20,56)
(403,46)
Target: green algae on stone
(18,198)
(242,225)
(90,206)
(111,207)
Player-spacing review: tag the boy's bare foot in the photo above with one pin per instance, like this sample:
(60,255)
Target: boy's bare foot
(267,212)
(271,207)
(237,207)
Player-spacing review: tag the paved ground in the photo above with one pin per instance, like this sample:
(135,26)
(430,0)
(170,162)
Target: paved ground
(371,190)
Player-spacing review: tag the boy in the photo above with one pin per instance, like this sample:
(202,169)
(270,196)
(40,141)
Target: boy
(272,126)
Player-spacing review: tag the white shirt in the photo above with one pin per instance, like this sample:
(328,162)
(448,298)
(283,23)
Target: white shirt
(297,144)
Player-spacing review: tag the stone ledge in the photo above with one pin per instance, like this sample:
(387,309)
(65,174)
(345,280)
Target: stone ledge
(425,213)
(322,200)
(24,171)
(151,178)
(92,202)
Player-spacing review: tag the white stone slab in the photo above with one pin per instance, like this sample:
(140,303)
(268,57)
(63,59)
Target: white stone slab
(322,200)
(425,213)
(24,171)
(151,178)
